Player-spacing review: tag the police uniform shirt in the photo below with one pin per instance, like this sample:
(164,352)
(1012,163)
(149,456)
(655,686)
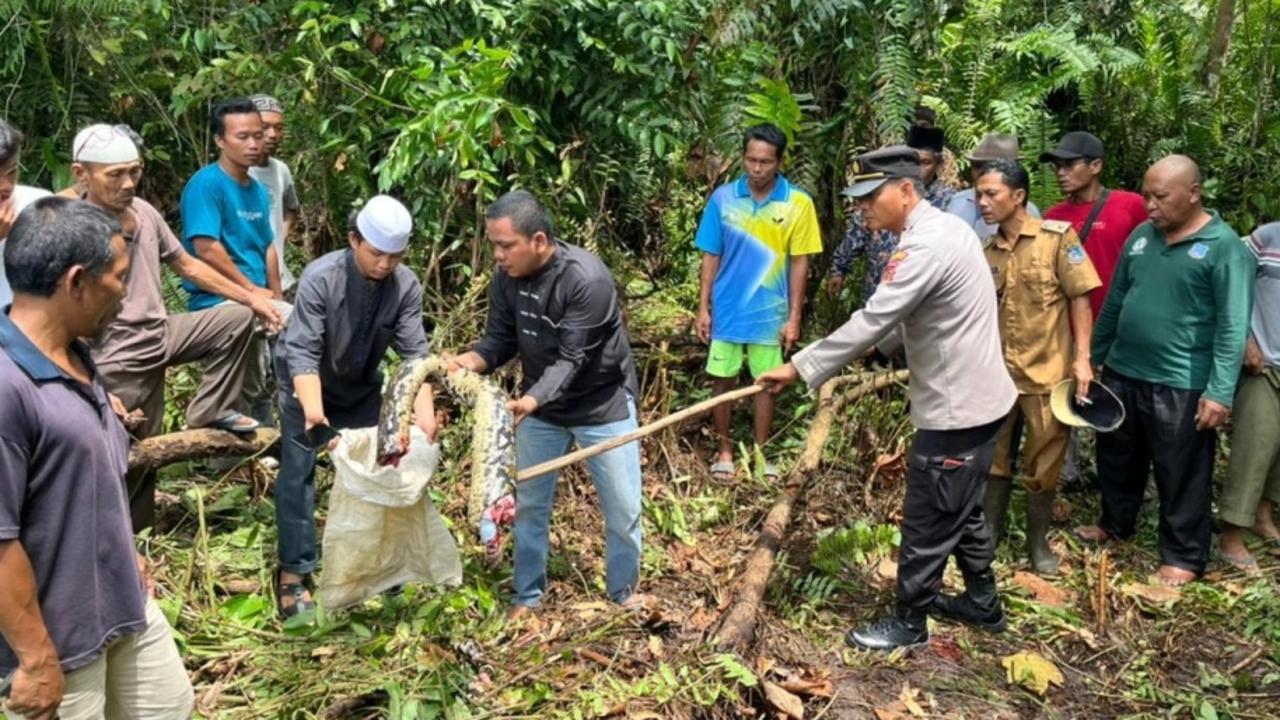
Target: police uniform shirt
(938,287)
(1036,278)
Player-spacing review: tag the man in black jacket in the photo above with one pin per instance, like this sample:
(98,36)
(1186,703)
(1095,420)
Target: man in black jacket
(555,306)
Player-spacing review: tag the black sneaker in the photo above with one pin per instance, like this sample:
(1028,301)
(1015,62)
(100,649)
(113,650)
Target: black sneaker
(889,633)
(961,608)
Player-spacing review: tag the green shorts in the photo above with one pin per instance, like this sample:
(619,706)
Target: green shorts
(725,358)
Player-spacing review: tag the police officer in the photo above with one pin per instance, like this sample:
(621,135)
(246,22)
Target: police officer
(937,286)
(1043,283)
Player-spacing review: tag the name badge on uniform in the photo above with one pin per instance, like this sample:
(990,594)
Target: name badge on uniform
(1198,251)
(891,270)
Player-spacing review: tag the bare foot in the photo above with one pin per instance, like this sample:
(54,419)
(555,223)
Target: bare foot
(1267,531)
(638,601)
(518,612)
(1172,576)
(1231,542)
(1093,534)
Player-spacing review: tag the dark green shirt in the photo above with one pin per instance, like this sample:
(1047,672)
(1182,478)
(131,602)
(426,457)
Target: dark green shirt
(1178,315)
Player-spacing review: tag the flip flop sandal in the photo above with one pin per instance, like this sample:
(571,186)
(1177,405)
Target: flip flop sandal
(722,470)
(296,590)
(771,471)
(1247,564)
(235,423)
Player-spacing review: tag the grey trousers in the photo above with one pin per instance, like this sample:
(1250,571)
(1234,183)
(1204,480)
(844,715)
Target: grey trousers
(219,339)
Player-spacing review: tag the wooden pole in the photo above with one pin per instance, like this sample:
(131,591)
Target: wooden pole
(638,433)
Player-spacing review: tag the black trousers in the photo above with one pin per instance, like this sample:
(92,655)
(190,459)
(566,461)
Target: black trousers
(295,491)
(1159,431)
(942,513)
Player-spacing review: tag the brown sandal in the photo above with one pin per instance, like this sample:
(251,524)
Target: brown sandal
(296,590)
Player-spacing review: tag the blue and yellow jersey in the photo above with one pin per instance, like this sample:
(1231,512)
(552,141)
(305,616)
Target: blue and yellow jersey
(755,242)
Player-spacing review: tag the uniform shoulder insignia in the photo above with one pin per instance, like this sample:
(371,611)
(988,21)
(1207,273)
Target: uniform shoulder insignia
(1056,226)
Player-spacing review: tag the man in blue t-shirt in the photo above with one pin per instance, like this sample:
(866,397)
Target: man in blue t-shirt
(226,214)
(226,222)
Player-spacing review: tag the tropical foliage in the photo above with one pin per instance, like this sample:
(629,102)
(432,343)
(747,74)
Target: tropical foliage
(624,113)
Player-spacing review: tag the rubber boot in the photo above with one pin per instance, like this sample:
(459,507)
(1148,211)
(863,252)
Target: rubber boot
(1039,516)
(995,505)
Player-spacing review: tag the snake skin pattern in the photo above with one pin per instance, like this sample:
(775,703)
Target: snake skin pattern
(493,438)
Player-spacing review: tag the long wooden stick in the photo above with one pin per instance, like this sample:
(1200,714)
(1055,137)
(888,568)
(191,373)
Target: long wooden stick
(638,433)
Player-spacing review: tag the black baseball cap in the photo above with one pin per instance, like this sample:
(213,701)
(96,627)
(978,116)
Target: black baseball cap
(1073,145)
(875,168)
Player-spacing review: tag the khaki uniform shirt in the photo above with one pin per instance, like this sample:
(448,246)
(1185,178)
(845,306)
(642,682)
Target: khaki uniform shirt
(1036,279)
(937,287)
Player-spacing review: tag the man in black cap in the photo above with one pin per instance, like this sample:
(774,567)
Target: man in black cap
(937,287)
(929,142)
(1103,219)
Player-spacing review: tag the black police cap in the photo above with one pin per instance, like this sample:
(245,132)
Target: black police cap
(875,168)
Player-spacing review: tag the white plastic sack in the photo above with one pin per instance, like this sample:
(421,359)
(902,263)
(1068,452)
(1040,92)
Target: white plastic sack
(382,530)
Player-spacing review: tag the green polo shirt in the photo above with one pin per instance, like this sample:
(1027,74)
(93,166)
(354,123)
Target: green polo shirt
(1178,315)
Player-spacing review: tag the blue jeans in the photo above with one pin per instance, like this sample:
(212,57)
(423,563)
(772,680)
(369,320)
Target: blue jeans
(616,475)
(295,491)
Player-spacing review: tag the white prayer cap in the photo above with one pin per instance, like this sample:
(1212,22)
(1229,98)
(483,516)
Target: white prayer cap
(385,224)
(103,144)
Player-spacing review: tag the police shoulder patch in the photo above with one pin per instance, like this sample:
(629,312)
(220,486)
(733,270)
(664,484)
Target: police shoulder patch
(1056,226)
(1075,255)
(891,270)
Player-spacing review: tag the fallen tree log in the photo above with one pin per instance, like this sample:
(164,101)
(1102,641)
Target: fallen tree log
(156,452)
(738,627)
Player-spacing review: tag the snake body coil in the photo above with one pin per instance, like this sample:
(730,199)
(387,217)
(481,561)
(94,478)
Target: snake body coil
(493,445)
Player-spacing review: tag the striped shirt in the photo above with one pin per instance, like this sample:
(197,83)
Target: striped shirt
(1265,324)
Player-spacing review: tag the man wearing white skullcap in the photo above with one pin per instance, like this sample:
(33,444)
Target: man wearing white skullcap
(351,305)
(143,341)
(13,197)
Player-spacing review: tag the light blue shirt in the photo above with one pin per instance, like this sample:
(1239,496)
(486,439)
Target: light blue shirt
(22,197)
(964,205)
(215,205)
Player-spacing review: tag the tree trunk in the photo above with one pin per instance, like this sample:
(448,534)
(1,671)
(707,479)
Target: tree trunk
(739,625)
(156,452)
(1222,22)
